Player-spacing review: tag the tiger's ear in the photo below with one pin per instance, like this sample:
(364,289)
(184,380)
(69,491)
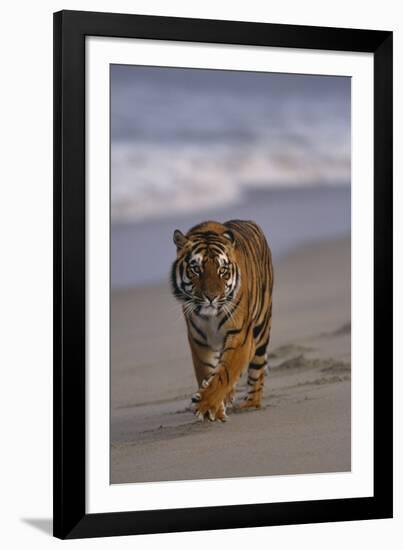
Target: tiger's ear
(230,236)
(179,239)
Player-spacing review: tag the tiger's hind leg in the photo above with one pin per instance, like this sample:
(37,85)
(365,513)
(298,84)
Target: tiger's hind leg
(256,369)
(256,374)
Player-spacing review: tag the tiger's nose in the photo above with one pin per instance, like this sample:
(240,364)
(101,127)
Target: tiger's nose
(211,298)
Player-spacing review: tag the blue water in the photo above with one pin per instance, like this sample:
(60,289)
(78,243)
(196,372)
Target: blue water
(189,145)
(182,139)
(142,252)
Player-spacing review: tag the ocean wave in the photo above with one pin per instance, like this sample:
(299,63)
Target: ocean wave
(153,180)
(185,140)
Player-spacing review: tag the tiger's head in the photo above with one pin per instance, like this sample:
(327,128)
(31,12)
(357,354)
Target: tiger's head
(205,275)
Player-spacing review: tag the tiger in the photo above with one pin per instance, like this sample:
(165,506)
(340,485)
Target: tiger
(223,277)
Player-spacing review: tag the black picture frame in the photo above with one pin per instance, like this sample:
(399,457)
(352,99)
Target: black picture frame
(70,517)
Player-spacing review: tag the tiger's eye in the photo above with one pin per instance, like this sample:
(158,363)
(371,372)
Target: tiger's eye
(223,271)
(196,269)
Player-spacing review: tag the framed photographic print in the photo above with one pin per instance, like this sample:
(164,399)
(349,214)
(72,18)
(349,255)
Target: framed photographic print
(222,274)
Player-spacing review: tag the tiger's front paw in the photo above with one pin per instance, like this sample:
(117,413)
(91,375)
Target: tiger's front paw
(230,398)
(206,404)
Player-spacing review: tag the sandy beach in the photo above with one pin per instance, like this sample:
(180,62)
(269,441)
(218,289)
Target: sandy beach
(304,424)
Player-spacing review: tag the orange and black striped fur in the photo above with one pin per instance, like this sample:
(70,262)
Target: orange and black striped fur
(223,275)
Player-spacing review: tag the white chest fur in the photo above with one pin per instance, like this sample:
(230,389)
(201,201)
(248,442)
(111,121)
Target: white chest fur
(215,337)
(210,328)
